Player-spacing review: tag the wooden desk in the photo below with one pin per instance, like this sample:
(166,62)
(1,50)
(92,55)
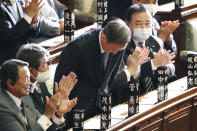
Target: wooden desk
(178,113)
(56,45)
(146,105)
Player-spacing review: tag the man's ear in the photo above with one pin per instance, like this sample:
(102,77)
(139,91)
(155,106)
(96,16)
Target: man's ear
(10,83)
(127,23)
(103,36)
(33,72)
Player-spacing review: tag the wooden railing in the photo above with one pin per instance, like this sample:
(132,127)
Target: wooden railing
(176,114)
(56,45)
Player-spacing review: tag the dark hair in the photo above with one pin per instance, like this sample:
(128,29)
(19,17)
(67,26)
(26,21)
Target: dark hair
(136,8)
(9,70)
(117,32)
(32,54)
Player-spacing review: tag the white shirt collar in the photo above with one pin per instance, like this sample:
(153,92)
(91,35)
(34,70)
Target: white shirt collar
(102,51)
(136,42)
(15,99)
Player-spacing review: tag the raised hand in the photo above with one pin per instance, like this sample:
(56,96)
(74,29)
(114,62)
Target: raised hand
(61,22)
(66,84)
(51,105)
(135,60)
(66,106)
(166,29)
(32,9)
(163,58)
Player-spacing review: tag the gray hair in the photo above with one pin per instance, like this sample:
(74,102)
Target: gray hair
(117,32)
(32,54)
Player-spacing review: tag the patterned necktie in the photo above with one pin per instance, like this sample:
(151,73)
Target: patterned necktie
(103,56)
(141,44)
(148,84)
(22,108)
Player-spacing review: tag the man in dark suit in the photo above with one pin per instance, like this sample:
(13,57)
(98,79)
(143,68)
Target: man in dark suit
(16,106)
(17,25)
(84,56)
(164,32)
(139,20)
(36,56)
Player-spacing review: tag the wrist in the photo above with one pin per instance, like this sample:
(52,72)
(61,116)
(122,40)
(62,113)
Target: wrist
(154,62)
(163,38)
(58,115)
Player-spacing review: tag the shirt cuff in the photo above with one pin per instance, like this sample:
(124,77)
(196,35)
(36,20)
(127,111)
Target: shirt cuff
(44,122)
(58,120)
(127,74)
(135,76)
(27,18)
(153,66)
(35,25)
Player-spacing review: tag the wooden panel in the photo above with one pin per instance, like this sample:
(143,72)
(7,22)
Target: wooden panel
(176,114)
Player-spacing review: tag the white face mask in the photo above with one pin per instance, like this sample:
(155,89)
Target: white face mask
(142,34)
(153,8)
(43,76)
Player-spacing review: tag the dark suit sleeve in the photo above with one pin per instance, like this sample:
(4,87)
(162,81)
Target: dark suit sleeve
(14,35)
(69,60)
(173,46)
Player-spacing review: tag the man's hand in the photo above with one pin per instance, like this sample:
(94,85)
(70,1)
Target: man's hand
(51,105)
(66,84)
(163,58)
(66,106)
(166,29)
(61,22)
(32,9)
(135,60)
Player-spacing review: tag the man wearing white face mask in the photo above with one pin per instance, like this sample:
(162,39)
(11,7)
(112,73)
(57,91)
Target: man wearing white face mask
(36,56)
(164,32)
(139,20)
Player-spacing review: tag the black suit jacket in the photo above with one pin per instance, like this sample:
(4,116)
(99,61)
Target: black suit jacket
(83,56)
(13,31)
(39,97)
(146,68)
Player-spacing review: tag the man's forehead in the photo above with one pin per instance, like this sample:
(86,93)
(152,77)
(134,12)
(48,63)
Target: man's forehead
(23,71)
(141,16)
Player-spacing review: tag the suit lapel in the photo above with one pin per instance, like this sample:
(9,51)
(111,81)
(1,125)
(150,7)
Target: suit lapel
(153,46)
(20,10)
(95,54)
(9,10)
(16,110)
(29,115)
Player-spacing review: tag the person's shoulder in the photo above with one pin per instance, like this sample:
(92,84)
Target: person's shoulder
(86,38)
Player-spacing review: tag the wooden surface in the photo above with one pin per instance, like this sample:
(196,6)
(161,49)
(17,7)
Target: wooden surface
(178,113)
(147,106)
(56,45)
